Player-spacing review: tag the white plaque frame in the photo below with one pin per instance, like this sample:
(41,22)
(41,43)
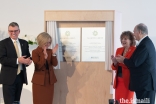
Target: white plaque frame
(69,44)
(93,44)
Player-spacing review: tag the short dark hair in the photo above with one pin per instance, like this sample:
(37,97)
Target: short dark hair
(129,35)
(13,24)
(143,28)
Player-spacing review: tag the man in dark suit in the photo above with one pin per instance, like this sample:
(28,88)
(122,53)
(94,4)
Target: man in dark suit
(142,66)
(14,57)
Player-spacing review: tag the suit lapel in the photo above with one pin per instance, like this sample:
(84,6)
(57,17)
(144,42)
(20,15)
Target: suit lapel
(130,51)
(21,45)
(137,48)
(120,52)
(142,42)
(11,46)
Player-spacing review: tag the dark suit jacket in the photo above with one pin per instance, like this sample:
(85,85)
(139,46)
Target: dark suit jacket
(142,66)
(40,66)
(125,70)
(8,59)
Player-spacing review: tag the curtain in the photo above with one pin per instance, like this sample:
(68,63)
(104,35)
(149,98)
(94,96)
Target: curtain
(52,30)
(108,44)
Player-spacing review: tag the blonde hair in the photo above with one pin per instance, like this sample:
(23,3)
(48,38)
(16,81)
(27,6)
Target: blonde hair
(43,38)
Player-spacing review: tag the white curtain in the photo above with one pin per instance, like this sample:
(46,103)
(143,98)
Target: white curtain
(108,44)
(53,31)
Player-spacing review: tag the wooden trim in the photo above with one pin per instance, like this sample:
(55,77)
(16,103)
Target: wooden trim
(79,15)
(80,24)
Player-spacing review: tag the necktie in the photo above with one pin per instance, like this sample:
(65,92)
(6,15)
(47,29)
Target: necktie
(18,54)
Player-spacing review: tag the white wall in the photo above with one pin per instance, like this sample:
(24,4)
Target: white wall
(29,14)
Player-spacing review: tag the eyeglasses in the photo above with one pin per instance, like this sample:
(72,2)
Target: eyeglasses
(48,43)
(11,31)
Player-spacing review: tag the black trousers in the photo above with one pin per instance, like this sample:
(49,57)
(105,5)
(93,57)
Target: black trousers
(147,97)
(12,93)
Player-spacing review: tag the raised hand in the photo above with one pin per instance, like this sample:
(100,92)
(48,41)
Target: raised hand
(54,50)
(45,52)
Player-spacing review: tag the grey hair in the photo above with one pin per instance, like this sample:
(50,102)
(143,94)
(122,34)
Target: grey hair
(13,24)
(143,28)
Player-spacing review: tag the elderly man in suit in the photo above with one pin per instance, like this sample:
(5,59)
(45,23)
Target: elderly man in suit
(142,66)
(14,57)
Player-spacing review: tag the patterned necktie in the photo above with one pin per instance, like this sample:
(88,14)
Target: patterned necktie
(18,54)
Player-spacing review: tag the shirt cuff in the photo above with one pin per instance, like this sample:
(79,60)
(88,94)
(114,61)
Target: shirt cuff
(17,61)
(54,54)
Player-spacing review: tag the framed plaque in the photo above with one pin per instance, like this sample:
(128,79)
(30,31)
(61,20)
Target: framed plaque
(93,44)
(69,44)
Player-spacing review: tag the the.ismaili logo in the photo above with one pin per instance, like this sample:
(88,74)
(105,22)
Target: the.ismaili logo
(95,33)
(67,33)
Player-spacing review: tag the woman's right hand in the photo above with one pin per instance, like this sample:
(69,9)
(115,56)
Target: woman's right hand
(45,52)
(54,50)
(114,60)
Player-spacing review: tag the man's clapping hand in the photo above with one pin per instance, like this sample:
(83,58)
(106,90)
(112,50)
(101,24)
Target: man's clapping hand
(24,60)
